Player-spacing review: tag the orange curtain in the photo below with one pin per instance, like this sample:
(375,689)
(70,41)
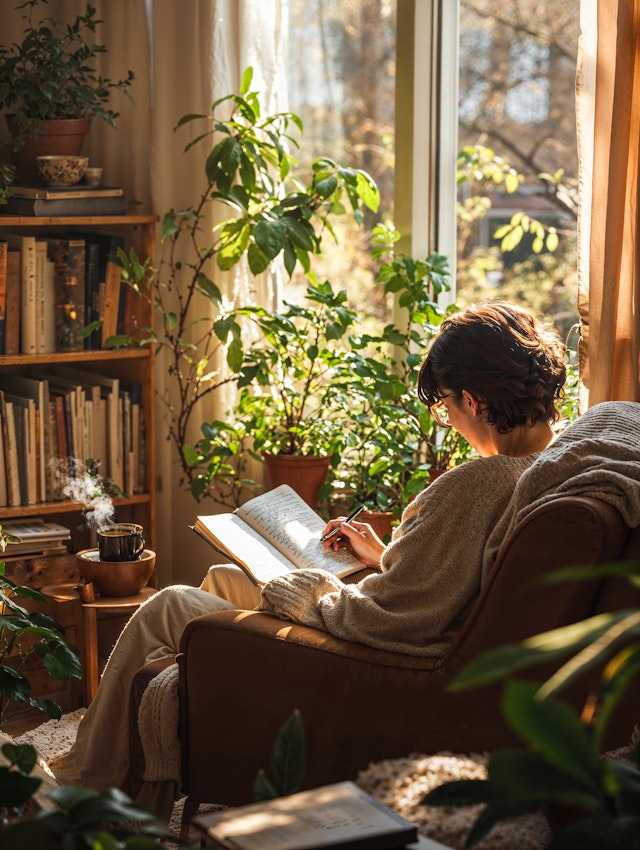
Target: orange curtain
(609,101)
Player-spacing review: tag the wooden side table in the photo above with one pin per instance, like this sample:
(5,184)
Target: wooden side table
(87,624)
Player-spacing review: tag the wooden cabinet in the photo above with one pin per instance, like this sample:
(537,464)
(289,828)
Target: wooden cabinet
(131,364)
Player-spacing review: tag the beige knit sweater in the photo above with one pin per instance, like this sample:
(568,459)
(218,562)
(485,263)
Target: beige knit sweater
(431,571)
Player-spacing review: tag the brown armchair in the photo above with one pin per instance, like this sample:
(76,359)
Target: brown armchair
(242,673)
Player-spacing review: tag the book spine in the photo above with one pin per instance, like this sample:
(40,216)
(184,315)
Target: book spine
(11,456)
(74,192)
(50,307)
(28,295)
(3,473)
(62,450)
(69,258)
(4,251)
(66,206)
(111,302)
(6,470)
(13,320)
(41,273)
(92,292)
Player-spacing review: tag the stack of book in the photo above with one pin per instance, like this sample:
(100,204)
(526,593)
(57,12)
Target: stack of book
(37,537)
(65,200)
(52,423)
(53,288)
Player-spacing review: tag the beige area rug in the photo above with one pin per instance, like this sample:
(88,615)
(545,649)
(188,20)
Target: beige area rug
(400,783)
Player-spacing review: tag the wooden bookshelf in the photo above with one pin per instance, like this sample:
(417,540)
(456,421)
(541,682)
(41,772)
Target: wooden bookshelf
(128,364)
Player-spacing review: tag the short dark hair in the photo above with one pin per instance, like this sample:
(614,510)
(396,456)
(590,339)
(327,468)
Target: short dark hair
(501,354)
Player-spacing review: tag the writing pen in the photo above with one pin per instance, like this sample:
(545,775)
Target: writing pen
(335,530)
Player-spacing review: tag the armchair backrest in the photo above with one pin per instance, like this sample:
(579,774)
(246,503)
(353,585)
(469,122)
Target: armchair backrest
(515,603)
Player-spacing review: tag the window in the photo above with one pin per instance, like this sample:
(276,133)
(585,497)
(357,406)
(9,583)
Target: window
(481,75)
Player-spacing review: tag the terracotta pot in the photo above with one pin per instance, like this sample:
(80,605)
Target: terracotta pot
(116,578)
(380,521)
(304,473)
(56,136)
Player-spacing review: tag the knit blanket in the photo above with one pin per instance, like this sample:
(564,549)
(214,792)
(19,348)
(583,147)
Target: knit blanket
(598,455)
(158,727)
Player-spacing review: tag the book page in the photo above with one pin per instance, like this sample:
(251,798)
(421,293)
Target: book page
(335,815)
(231,535)
(286,521)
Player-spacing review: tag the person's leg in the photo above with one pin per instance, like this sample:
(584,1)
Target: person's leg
(100,756)
(231,583)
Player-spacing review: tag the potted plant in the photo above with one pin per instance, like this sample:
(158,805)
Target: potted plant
(295,391)
(591,800)
(395,446)
(50,88)
(249,170)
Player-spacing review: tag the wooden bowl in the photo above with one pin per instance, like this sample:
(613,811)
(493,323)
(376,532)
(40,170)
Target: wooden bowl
(116,578)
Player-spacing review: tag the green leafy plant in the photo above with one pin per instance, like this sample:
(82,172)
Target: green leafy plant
(24,633)
(80,818)
(564,768)
(395,446)
(51,73)
(250,171)
(288,762)
(7,176)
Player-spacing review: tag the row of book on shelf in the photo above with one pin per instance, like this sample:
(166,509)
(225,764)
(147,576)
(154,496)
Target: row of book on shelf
(52,424)
(52,288)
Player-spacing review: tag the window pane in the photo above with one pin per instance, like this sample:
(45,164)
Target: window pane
(341,82)
(517,116)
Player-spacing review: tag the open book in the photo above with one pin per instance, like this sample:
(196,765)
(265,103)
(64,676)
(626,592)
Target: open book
(340,816)
(273,534)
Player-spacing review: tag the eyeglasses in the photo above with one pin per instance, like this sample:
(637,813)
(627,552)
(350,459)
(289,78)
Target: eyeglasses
(440,413)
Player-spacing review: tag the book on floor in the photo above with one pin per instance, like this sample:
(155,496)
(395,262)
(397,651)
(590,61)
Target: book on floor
(273,534)
(339,815)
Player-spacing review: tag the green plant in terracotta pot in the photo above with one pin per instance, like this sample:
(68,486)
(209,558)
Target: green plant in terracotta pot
(295,388)
(249,171)
(49,84)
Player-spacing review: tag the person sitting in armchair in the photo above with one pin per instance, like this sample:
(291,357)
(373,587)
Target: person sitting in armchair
(495,374)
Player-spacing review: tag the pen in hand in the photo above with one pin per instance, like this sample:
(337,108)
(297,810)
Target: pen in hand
(335,530)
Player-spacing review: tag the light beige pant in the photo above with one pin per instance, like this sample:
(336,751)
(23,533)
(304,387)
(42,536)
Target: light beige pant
(99,758)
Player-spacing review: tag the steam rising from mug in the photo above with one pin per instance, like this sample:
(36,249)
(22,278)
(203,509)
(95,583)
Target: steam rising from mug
(85,488)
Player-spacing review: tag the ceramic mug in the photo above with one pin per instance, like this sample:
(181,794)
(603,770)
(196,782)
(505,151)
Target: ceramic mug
(120,541)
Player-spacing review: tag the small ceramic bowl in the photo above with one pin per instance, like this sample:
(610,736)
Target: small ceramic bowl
(61,170)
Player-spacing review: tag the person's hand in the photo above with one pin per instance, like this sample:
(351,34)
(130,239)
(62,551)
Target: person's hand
(359,538)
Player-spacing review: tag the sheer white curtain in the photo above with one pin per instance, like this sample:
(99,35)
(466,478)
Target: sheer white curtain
(184,56)
(199,51)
